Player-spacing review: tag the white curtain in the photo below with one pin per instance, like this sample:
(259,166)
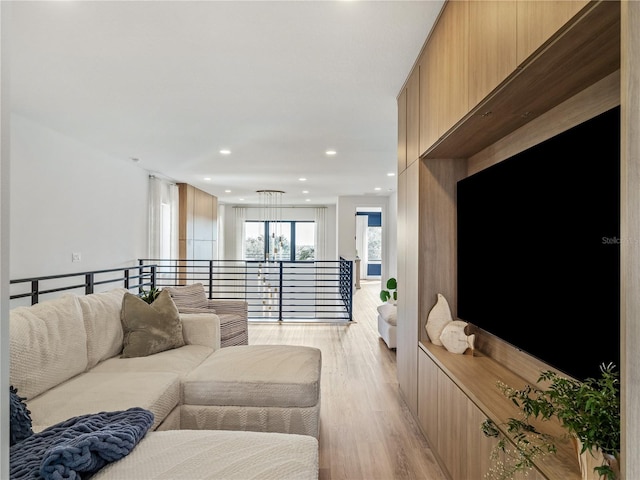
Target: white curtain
(163,219)
(240,217)
(362,222)
(321,233)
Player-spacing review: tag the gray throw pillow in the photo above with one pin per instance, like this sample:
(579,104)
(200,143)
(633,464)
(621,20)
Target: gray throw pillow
(150,328)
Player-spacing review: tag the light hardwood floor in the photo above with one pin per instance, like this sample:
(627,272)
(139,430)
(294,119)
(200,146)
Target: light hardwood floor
(366,431)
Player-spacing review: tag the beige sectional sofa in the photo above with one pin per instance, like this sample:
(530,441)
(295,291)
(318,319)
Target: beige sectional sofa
(66,360)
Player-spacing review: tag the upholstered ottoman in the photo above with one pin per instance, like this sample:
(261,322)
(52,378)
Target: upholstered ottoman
(262,388)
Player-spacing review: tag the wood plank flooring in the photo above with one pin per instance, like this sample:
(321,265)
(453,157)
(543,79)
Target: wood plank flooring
(366,430)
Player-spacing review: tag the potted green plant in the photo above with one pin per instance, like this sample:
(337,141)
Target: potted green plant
(149,295)
(391,291)
(589,411)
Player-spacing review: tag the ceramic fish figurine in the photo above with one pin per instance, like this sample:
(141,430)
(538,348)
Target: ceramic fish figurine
(455,339)
(439,317)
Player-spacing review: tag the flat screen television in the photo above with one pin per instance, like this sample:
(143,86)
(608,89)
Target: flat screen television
(538,248)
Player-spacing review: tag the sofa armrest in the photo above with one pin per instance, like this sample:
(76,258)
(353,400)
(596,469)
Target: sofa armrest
(232,307)
(201,329)
(233,321)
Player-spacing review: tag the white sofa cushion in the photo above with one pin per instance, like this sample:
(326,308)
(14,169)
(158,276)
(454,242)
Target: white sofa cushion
(48,345)
(178,360)
(92,392)
(214,455)
(389,313)
(258,376)
(101,314)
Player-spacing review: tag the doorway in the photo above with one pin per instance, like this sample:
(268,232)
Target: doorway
(369,241)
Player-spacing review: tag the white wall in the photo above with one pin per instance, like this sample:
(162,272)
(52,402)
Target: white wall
(346,227)
(5,14)
(67,197)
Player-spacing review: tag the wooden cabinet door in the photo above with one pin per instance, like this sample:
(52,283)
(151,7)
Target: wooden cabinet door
(428,398)
(453,77)
(492,46)
(452,426)
(407,349)
(478,447)
(402,131)
(444,95)
(429,99)
(413,115)
(537,21)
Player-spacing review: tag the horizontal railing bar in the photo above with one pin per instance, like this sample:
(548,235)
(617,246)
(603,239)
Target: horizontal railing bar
(54,290)
(67,275)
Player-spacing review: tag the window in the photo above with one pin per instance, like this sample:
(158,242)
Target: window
(288,240)
(305,235)
(279,240)
(254,241)
(374,244)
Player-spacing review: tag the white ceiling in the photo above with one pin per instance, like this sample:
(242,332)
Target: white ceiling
(171,83)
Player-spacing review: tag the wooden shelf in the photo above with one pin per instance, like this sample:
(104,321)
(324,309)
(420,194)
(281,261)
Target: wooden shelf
(477,376)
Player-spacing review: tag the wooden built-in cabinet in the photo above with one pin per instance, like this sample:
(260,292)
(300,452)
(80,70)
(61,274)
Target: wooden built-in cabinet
(538,21)
(402,131)
(443,67)
(413,117)
(453,72)
(494,77)
(478,47)
(459,392)
(429,101)
(451,422)
(407,358)
(492,46)
(197,224)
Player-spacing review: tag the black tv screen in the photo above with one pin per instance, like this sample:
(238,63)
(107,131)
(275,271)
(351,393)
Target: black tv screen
(538,248)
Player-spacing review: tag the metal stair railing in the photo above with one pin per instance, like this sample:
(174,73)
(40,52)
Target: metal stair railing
(306,291)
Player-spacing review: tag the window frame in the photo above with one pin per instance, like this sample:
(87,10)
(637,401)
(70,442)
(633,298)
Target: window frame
(292,238)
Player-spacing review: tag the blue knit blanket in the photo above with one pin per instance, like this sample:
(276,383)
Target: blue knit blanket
(78,447)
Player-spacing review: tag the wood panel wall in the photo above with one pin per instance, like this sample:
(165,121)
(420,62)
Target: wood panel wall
(197,224)
(630,230)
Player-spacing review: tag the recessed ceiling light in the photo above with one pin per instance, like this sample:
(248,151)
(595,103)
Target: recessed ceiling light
(242,199)
(224,151)
(330,152)
(227,191)
(307,199)
(305,191)
(207,178)
(391,174)
(377,189)
(302,179)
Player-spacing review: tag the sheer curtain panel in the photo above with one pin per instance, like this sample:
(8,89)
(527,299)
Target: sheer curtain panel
(163,218)
(321,233)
